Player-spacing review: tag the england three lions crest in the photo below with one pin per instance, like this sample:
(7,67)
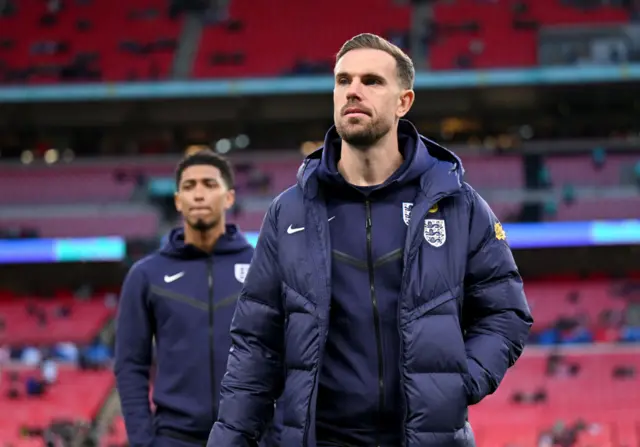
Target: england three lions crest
(240,271)
(435,232)
(406,212)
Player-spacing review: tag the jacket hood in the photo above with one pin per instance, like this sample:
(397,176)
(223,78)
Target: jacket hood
(231,241)
(439,169)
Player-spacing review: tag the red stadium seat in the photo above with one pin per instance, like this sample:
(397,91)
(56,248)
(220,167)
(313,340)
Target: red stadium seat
(81,326)
(105,17)
(258,48)
(77,395)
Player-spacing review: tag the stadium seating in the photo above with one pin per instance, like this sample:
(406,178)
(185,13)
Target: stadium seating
(108,182)
(85,199)
(305,39)
(581,171)
(73,183)
(593,395)
(554,299)
(620,208)
(127,223)
(504,46)
(240,47)
(104,16)
(312,33)
(77,395)
(84,321)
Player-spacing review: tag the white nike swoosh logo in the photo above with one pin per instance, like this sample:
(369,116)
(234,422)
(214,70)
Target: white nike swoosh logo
(172,278)
(292,230)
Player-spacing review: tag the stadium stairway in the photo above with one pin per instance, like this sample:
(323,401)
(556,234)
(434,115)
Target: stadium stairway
(108,415)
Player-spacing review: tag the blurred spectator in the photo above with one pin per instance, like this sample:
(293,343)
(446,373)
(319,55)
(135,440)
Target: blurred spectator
(35,386)
(599,157)
(558,366)
(568,194)
(544,177)
(49,370)
(31,356)
(12,391)
(66,352)
(550,208)
(607,328)
(536,397)
(624,372)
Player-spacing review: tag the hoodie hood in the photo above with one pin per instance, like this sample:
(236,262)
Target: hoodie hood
(231,241)
(439,169)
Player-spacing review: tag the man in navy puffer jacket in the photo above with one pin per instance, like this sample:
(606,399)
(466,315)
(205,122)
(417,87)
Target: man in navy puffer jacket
(381,282)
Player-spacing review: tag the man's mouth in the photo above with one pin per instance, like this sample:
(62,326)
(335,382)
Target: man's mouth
(355,111)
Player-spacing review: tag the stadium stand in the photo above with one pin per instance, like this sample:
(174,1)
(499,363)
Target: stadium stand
(76,41)
(582,171)
(576,384)
(504,34)
(76,396)
(66,222)
(86,200)
(547,386)
(37,322)
(465,34)
(542,390)
(250,53)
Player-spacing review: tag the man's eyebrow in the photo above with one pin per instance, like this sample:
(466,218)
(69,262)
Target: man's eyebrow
(363,75)
(202,179)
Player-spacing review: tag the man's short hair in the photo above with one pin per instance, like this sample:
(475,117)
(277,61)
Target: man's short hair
(209,158)
(404,64)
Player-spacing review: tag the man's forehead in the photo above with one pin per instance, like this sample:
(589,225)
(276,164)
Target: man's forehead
(366,61)
(198,172)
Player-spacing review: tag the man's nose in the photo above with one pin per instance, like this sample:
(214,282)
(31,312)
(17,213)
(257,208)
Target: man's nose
(355,90)
(198,193)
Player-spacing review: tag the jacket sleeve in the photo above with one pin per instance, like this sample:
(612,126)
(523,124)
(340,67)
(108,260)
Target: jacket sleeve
(134,335)
(254,376)
(496,316)
(272,436)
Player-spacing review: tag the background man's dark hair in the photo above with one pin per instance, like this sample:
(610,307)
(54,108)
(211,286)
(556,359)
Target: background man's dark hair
(210,158)
(367,41)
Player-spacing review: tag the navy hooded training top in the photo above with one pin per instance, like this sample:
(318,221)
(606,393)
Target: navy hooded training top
(359,395)
(183,299)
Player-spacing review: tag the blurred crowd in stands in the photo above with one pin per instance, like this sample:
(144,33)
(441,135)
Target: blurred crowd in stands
(36,361)
(455,35)
(611,326)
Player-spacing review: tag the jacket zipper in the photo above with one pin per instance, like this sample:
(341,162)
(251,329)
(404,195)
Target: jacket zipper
(376,315)
(211,339)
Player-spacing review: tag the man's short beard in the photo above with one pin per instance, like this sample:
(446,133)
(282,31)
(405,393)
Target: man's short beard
(202,225)
(363,138)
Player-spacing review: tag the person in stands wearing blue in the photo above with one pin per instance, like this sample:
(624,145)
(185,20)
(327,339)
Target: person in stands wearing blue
(383,298)
(183,298)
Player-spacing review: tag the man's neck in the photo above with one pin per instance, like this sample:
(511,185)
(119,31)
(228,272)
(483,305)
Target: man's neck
(204,240)
(371,166)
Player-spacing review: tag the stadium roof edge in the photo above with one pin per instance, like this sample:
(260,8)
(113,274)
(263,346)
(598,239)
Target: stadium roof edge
(312,84)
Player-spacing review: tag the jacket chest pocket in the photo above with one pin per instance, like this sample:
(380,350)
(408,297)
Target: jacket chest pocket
(438,268)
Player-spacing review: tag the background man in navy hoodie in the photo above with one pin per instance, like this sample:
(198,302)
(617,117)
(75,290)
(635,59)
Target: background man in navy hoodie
(182,297)
(381,281)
